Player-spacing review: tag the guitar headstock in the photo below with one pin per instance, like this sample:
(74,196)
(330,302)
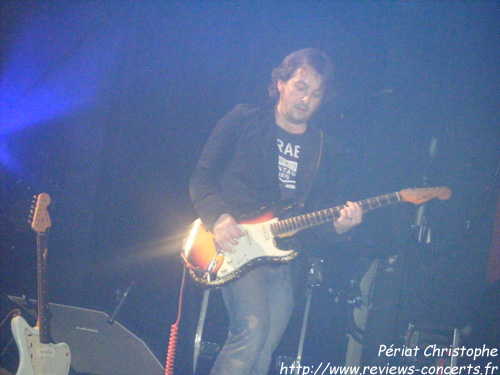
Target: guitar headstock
(41,219)
(421,195)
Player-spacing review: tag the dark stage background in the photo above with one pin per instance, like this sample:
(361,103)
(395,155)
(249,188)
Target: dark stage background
(106,106)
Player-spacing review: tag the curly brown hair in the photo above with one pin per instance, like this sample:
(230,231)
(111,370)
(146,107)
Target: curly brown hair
(313,57)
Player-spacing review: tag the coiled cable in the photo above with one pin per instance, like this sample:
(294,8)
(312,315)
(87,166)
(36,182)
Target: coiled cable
(174,332)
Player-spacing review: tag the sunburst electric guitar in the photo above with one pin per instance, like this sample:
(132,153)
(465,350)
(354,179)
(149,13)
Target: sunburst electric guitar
(37,355)
(211,269)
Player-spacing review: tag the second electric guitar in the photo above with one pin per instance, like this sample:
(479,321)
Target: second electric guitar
(37,355)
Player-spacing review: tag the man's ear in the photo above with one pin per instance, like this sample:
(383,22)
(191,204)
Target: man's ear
(280,85)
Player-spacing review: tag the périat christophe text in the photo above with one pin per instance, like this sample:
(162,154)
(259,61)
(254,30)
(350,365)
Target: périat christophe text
(437,351)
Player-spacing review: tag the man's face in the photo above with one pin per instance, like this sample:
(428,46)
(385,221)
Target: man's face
(300,96)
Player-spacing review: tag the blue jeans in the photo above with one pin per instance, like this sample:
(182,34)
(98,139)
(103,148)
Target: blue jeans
(259,306)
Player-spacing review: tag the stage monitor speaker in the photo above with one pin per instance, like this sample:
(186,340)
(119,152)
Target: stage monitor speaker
(97,347)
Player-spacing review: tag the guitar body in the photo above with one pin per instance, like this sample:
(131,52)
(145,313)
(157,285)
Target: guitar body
(256,247)
(36,358)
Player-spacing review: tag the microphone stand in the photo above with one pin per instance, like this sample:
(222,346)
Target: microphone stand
(422,222)
(111,319)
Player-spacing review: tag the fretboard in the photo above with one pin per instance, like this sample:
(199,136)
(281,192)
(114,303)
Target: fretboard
(43,301)
(294,224)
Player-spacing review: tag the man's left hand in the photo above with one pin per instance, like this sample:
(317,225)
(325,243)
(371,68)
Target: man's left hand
(350,216)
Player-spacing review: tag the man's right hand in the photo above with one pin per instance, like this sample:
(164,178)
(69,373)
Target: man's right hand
(226,233)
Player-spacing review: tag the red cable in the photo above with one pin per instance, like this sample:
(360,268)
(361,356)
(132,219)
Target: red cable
(174,331)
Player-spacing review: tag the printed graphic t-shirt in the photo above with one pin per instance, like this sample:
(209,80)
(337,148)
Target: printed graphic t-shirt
(288,162)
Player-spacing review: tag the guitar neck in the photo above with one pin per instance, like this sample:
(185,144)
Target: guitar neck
(292,225)
(43,300)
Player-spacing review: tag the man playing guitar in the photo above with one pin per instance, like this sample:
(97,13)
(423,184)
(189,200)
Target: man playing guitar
(257,155)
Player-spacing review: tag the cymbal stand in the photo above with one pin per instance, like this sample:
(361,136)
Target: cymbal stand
(314,277)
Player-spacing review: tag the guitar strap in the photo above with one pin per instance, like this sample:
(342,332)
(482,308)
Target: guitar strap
(311,172)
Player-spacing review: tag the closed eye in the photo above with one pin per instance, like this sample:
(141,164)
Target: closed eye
(318,93)
(301,86)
